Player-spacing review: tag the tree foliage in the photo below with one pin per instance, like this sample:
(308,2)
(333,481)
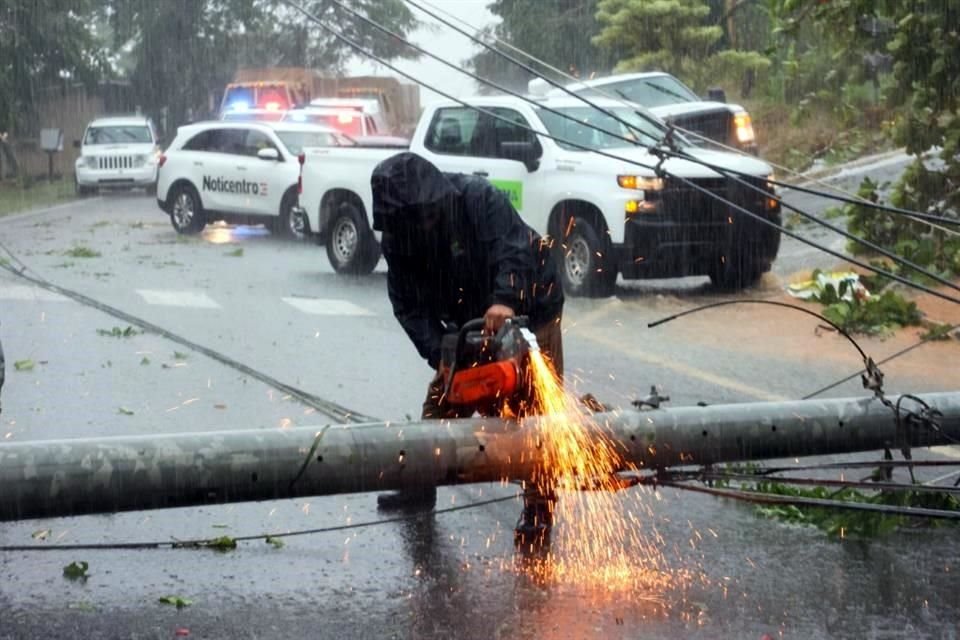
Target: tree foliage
(183,49)
(924,43)
(667,35)
(43,43)
(173,52)
(559,32)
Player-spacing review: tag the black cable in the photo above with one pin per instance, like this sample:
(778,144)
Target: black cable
(827,466)
(870,205)
(357,47)
(926,417)
(327,407)
(654,121)
(736,175)
(760,498)
(836,254)
(819,482)
(774,303)
(853,375)
(204,543)
(499,87)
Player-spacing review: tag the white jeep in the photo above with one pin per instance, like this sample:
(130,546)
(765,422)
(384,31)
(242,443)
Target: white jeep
(117,152)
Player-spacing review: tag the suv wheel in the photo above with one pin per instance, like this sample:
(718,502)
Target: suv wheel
(186,212)
(292,222)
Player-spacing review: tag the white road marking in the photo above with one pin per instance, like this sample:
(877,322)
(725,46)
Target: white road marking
(950,451)
(29,294)
(178,299)
(324,307)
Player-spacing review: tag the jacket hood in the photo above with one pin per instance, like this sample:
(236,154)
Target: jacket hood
(404,181)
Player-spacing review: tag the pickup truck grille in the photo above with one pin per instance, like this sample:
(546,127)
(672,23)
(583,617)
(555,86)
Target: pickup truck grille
(688,204)
(115,162)
(715,125)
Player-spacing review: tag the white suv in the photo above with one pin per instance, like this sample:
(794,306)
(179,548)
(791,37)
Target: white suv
(118,152)
(245,172)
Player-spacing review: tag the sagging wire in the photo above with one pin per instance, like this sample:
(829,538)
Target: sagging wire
(714,476)
(889,358)
(737,177)
(651,120)
(774,303)
(357,47)
(851,199)
(213,543)
(871,376)
(327,407)
(761,498)
(499,87)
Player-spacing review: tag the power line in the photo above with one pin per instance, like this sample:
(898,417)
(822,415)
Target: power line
(658,168)
(854,199)
(327,407)
(212,543)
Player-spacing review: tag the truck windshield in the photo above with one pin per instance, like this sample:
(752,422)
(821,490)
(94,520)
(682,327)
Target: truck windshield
(648,92)
(581,133)
(135,134)
(297,141)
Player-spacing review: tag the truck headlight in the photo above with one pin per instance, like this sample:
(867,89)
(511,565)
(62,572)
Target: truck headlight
(641,183)
(771,201)
(743,128)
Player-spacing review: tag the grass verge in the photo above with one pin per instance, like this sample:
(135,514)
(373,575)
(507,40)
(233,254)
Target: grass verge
(17,196)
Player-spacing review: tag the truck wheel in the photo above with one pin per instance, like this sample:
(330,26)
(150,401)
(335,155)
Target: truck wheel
(735,272)
(351,247)
(292,223)
(186,212)
(586,262)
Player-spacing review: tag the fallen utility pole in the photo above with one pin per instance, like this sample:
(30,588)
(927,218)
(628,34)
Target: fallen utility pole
(104,475)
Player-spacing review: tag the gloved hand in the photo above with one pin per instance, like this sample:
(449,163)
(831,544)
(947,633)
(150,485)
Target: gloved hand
(495,316)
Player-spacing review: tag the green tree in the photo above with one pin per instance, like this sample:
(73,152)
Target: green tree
(667,35)
(43,43)
(925,87)
(559,32)
(184,49)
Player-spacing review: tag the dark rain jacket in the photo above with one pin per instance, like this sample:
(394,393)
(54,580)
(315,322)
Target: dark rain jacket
(478,254)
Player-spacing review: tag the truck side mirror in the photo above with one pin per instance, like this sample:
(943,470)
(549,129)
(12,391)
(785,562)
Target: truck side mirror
(526,152)
(716,94)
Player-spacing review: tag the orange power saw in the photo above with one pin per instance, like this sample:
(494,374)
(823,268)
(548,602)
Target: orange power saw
(484,370)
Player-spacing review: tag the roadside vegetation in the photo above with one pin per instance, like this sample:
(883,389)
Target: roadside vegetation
(23,195)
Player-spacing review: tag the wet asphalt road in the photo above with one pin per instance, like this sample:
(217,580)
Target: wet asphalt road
(726,573)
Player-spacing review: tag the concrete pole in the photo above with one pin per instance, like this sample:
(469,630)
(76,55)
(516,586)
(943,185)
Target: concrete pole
(103,475)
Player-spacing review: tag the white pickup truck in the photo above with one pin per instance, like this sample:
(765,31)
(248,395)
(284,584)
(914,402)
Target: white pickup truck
(607,216)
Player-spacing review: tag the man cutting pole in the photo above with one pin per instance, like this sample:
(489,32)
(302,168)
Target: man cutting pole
(457,250)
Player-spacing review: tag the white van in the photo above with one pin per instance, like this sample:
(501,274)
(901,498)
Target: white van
(117,152)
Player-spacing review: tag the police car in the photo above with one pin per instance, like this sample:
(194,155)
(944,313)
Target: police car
(243,172)
(117,152)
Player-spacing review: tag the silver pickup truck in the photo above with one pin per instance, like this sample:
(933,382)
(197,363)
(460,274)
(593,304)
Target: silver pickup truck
(671,100)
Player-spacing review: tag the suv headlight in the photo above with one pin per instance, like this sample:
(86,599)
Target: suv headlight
(90,161)
(640,182)
(140,160)
(743,128)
